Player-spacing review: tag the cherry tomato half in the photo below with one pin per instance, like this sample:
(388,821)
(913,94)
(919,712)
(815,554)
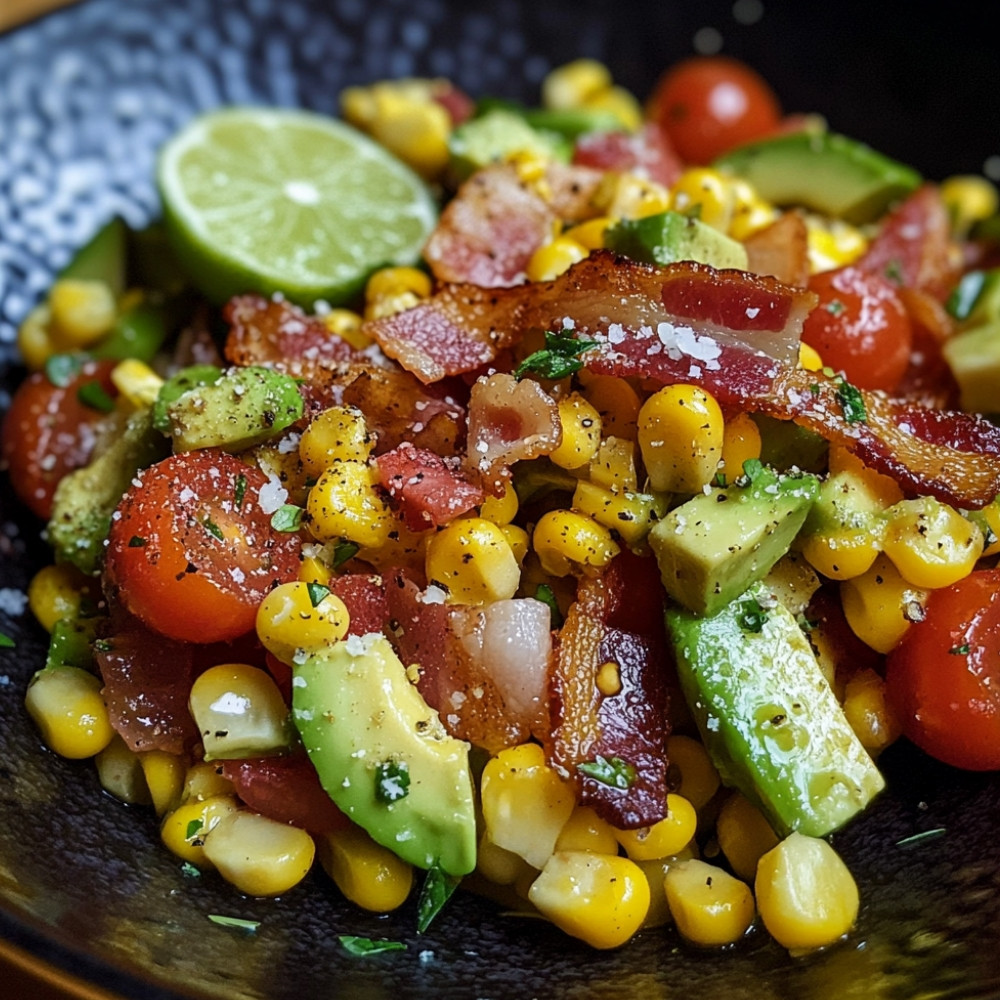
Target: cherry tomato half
(943,678)
(709,104)
(51,429)
(860,327)
(191,553)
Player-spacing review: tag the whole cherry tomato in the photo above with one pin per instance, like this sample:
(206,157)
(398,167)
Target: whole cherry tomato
(191,552)
(709,104)
(943,679)
(860,327)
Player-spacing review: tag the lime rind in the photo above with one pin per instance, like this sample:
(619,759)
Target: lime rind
(277,200)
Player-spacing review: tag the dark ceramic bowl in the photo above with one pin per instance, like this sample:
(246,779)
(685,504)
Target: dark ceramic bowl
(86,96)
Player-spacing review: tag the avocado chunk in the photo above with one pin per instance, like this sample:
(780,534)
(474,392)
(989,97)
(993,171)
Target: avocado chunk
(825,171)
(85,499)
(383,755)
(243,408)
(498,133)
(974,358)
(713,547)
(102,258)
(670,236)
(768,717)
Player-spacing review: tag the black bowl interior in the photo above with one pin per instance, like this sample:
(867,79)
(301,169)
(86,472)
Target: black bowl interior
(86,96)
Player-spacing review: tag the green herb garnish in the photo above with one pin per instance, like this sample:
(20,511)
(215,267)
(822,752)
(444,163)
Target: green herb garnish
(834,307)
(434,893)
(240,492)
(343,551)
(366,946)
(317,593)
(966,294)
(392,781)
(61,369)
(288,517)
(560,356)
(137,542)
(546,595)
(611,771)
(962,650)
(752,617)
(92,394)
(213,529)
(919,838)
(190,871)
(193,828)
(6,642)
(250,926)
(894,271)
(753,468)
(852,402)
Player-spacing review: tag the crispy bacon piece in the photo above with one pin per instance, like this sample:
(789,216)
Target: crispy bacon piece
(647,153)
(427,489)
(781,250)
(489,230)
(616,618)
(929,377)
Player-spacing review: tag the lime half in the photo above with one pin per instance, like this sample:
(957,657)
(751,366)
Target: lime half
(278,200)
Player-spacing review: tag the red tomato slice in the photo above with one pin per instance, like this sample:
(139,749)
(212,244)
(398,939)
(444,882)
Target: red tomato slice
(191,553)
(709,104)
(50,430)
(860,327)
(944,677)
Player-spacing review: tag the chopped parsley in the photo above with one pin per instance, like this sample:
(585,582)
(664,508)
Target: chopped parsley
(966,294)
(894,271)
(137,542)
(250,926)
(753,468)
(920,838)
(240,492)
(560,356)
(546,595)
(213,529)
(392,781)
(835,307)
(366,946)
(852,402)
(318,592)
(190,871)
(611,771)
(6,642)
(343,551)
(193,828)
(962,650)
(93,394)
(436,890)
(61,369)
(752,617)
(288,517)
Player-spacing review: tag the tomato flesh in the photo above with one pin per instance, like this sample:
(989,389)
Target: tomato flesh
(860,327)
(943,678)
(191,553)
(709,104)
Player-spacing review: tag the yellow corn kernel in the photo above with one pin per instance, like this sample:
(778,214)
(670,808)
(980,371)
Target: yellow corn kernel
(806,896)
(628,196)
(740,443)
(881,488)
(296,619)
(845,529)
(621,103)
(879,605)
(472,560)
(313,569)
(501,866)
(699,780)
(137,382)
(346,324)
(258,855)
(339,434)
(809,358)
(164,774)
(655,872)
(553,258)
(590,234)
(616,401)
(344,504)
(581,432)
(503,509)
(613,467)
(567,542)
(525,803)
(403,548)
(203,779)
(600,898)
(367,873)
(518,539)
(630,516)
(65,703)
(239,712)
(869,712)
(749,212)
(969,198)
(34,339)
(832,243)
(668,836)
(744,835)
(710,907)
(681,432)
(120,773)
(83,311)
(570,85)
(586,831)
(988,519)
(183,830)
(57,592)
(930,543)
(706,194)
(392,289)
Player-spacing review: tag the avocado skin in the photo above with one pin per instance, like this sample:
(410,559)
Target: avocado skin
(713,547)
(768,717)
(667,237)
(823,171)
(355,709)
